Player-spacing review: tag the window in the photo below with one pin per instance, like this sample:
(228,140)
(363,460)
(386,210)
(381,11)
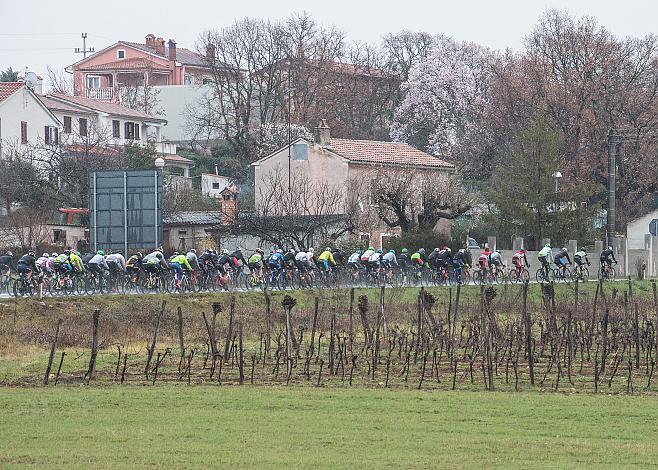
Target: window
(121,54)
(227,197)
(93,81)
(182,232)
(364,238)
(653,227)
(23,132)
(82,124)
(207,81)
(385,239)
(187,80)
(67,124)
(215,186)
(116,129)
(51,136)
(131,130)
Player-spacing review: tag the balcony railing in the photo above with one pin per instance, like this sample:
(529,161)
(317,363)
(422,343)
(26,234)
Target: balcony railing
(100,93)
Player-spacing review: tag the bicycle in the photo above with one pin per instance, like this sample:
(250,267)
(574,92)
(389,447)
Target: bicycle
(562,274)
(184,284)
(607,272)
(544,274)
(482,276)
(154,282)
(519,275)
(25,284)
(580,273)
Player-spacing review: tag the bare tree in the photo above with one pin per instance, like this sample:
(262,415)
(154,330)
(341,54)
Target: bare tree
(28,227)
(138,94)
(60,82)
(408,198)
(316,211)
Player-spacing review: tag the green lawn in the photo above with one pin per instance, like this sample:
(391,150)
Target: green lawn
(179,426)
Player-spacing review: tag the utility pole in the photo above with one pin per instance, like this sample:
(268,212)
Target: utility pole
(84,49)
(614,149)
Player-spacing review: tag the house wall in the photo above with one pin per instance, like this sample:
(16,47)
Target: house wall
(23,106)
(321,167)
(207,181)
(185,237)
(110,55)
(637,229)
(175,102)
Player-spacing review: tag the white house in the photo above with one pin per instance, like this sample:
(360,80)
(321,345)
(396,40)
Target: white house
(637,229)
(101,123)
(24,119)
(213,185)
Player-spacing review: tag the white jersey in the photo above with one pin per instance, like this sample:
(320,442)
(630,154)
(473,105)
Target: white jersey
(374,258)
(302,257)
(354,258)
(118,259)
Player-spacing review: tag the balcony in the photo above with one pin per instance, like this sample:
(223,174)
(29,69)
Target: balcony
(106,94)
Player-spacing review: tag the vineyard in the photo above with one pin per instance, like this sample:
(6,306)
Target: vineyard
(592,337)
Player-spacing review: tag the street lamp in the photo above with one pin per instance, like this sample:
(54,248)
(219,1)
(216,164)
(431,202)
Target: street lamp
(557,175)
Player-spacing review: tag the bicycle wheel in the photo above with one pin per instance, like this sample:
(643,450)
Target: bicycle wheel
(540,276)
(20,287)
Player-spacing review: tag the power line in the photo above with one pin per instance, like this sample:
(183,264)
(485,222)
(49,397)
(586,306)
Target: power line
(31,49)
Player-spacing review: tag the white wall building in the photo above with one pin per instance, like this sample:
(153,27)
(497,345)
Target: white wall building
(637,229)
(24,120)
(213,185)
(175,102)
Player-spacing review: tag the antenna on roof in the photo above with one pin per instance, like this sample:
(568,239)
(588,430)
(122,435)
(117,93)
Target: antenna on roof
(31,80)
(84,49)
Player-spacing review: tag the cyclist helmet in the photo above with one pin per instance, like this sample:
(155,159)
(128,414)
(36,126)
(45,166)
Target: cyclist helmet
(564,249)
(462,250)
(100,252)
(291,250)
(327,249)
(371,248)
(67,252)
(422,250)
(359,252)
(193,251)
(140,255)
(610,248)
(175,253)
(45,255)
(437,249)
(521,250)
(310,250)
(258,250)
(391,251)
(280,251)
(30,253)
(447,248)
(404,250)
(548,245)
(497,250)
(225,251)
(54,255)
(380,251)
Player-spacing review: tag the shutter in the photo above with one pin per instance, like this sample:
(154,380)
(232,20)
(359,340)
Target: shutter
(56,142)
(47,135)
(136,131)
(126,127)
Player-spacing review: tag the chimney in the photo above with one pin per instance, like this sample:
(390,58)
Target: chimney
(160,46)
(229,205)
(323,134)
(150,40)
(172,50)
(210,51)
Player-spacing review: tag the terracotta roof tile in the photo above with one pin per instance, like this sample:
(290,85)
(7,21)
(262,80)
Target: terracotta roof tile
(61,106)
(9,88)
(138,63)
(184,56)
(173,158)
(105,107)
(396,153)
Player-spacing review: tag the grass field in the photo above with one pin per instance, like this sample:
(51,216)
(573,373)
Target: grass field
(179,426)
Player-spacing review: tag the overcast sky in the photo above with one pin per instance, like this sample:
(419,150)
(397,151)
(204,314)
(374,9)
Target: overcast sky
(36,33)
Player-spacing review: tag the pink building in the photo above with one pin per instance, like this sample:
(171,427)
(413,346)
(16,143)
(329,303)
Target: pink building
(124,63)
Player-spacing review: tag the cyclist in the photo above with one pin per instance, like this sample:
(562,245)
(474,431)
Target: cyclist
(353,260)
(483,260)
(154,262)
(289,258)
(338,257)
(365,256)
(7,265)
(433,259)
(580,258)
(542,257)
(255,262)
(237,254)
(495,260)
(116,262)
(301,260)
(205,260)
(326,259)
(390,260)
(374,261)
(222,260)
(403,259)
(275,262)
(44,263)
(444,258)
(97,264)
(460,260)
(562,259)
(76,262)
(520,260)
(177,262)
(605,258)
(61,263)
(133,263)
(418,258)
(27,264)
(192,259)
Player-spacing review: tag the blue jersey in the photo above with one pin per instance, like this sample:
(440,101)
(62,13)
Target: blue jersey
(275,259)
